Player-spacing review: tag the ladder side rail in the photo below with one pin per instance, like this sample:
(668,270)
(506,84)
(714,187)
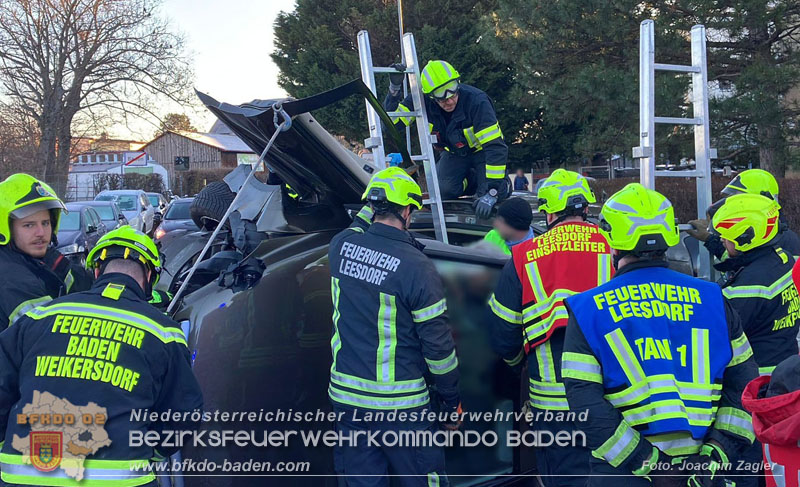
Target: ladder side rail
(647,126)
(702,137)
(410,53)
(375,141)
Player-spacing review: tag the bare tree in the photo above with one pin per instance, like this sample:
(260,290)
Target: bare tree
(61,60)
(19,137)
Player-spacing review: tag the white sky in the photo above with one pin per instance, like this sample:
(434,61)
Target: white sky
(230,42)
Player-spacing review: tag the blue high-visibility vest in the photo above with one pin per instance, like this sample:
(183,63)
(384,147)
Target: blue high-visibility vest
(662,341)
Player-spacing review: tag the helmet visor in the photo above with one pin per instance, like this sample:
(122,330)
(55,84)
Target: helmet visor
(446,91)
(32,208)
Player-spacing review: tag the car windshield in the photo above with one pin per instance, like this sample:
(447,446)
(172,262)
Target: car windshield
(179,211)
(126,202)
(153,200)
(70,221)
(106,213)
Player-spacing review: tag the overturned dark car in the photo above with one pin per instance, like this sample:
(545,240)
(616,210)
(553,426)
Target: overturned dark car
(259,307)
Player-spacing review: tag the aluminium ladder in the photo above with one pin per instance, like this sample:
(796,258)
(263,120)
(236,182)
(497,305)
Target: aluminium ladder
(646,152)
(375,141)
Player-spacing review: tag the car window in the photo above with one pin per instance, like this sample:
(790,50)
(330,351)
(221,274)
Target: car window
(94,217)
(153,200)
(126,202)
(179,211)
(70,222)
(468,287)
(105,212)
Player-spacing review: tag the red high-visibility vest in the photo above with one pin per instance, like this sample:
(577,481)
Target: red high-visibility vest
(569,259)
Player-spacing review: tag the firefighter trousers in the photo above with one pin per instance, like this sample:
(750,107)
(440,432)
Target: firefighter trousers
(560,466)
(461,175)
(368,464)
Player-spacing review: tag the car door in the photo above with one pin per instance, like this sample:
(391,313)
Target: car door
(147,213)
(90,227)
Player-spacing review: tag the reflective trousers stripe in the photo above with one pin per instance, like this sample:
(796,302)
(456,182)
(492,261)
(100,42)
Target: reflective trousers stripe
(373,402)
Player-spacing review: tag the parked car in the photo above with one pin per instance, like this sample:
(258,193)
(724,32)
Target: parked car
(134,205)
(158,201)
(109,212)
(79,229)
(176,217)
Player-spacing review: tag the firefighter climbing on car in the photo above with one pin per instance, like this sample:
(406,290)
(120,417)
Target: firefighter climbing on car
(473,153)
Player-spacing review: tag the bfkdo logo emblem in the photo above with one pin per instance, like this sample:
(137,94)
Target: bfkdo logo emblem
(46,449)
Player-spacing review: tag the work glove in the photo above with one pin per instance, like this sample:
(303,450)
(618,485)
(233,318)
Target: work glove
(484,205)
(452,424)
(56,262)
(707,466)
(396,79)
(663,470)
(699,230)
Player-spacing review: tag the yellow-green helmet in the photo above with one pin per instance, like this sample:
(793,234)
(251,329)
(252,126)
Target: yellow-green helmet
(564,189)
(747,220)
(22,195)
(753,181)
(126,243)
(439,78)
(394,185)
(639,219)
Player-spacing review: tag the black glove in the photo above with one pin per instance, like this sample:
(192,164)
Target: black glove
(396,79)
(707,466)
(56,262)
(484,205)
(454,413)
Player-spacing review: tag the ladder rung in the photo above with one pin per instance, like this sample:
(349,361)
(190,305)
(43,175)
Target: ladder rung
(383,69)
(679,121)
(417,158)
(679,174)
(676,67)
(403,114)
(427,201)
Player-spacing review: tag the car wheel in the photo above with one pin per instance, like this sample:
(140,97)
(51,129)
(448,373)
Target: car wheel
(210,204)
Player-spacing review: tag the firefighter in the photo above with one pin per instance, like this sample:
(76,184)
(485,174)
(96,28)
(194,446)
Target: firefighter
(657,358)
(758,283)
(528,315)
(512,225)
(104,349)
(751,181)
(390,325)
(474,156)
(34,272)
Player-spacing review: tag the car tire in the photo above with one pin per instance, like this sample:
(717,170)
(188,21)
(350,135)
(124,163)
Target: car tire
(210,204)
